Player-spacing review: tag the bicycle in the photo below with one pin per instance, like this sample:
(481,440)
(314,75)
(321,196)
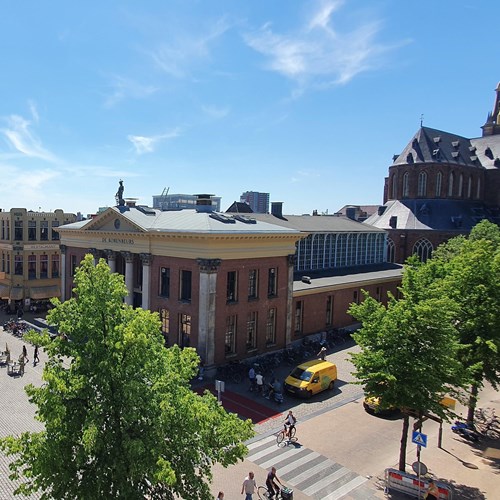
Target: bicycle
(487,423)
(283,434)
(285,493)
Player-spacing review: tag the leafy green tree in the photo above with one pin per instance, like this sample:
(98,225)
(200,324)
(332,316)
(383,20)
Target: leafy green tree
(120,418)
(408,350)
(468,271)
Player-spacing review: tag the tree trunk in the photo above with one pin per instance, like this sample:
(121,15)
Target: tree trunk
(474,390)
(404,440)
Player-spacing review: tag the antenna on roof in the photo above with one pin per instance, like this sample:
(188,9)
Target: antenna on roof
(421,119)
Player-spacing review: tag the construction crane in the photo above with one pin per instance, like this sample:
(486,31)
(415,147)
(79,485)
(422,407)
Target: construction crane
(163,198)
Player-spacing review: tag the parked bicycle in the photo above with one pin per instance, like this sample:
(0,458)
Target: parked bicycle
(487,423)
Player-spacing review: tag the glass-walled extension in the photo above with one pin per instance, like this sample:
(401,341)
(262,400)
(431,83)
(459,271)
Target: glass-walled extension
(322,251)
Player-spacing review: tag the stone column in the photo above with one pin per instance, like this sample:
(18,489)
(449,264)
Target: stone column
(63,249)
(146,259)
(129,276)
(289,299)
(95,254)
(206,321)
(111,257)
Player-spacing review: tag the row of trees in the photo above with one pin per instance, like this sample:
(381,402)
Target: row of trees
(442,335)
(121,420)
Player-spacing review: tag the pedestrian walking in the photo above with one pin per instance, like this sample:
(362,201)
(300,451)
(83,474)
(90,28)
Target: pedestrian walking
(322,353)
(251,378)
(36,359)
(25,354)
(220,496)
(259,380)
(432,491)
(249,486)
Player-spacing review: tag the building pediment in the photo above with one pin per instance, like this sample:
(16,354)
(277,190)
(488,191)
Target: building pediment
(113,221)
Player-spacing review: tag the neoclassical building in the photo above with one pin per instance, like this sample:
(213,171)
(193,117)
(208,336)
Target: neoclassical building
(30,255)
(441,185)
(229,284)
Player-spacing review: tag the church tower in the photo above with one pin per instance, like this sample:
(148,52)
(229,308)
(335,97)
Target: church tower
(492,125)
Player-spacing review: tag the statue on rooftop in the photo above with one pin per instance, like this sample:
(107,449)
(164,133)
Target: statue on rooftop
(119,196)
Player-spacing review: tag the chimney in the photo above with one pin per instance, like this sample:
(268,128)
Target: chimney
(277,209)
(204,203)
(350,213)
(130,202)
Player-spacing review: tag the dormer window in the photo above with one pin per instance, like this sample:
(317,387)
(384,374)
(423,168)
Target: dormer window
(489,153)
(437,139)
(455,144)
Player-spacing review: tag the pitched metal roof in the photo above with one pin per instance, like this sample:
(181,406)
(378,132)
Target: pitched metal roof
(188,221)
(316,223)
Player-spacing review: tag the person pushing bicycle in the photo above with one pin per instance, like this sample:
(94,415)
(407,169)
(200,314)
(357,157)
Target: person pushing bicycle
(290,421)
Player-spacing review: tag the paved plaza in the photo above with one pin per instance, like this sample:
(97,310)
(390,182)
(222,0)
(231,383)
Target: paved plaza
(341,451)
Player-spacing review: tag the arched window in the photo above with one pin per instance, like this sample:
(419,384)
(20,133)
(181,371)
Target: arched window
(450,184)
(394,187)
(469,187)
(391,251)
(478,191)
(439,183)
(422,184)
(423,248)
(406,185)
(461,186)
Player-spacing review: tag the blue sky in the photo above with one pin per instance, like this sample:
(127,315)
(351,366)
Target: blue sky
(306,100)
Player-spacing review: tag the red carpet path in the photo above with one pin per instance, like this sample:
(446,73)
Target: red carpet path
(244,407)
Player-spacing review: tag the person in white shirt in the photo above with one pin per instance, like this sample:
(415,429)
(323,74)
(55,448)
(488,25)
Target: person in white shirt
(289,423)
(248,487)
(259,379)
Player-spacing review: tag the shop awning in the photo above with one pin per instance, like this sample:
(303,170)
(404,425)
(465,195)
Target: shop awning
(4,291)
(44,292)
(16,293)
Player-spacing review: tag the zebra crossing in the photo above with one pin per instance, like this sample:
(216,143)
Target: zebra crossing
(315,475)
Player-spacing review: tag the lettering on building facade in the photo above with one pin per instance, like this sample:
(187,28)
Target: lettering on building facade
(119,241)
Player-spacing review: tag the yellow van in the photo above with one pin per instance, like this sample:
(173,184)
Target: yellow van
(311,377)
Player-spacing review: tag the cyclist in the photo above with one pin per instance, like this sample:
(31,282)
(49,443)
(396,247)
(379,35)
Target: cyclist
(290,421)
(272,487)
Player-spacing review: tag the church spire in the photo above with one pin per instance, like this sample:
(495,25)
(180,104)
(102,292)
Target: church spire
(492,125)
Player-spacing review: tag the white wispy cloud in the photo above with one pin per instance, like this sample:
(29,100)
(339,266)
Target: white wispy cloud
(302,175)
(215,112)
(25,184)
(126,88)
(318,54)
(144,144)
(178,55)
(19,136)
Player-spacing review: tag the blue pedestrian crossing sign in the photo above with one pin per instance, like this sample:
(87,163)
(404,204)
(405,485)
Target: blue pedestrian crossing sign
(419,438)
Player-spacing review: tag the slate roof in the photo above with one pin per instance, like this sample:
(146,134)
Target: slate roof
(316,223)
(188,221)
(482,144)
(437,214)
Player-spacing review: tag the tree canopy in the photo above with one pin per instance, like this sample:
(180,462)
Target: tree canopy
(121,420)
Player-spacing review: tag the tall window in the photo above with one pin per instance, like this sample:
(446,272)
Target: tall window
(32,230)
(478,189)
(44,230)
(55,234)
(230,336)
(406,185)
(394,187)
(73,265)
(329,310)
(252,283)
(469,187)
(3,262)
(165,323)
(55,265)
(44,266)
(184,330)
(423,248)
(461,186)
(422,184)
(271,327)
(165,282)
(450,184)
(391,251)
(439,183)
(18,230)
(299,313)
(3,230)
(232,286)
(251,330)
(272,282)
(185,285)
(355,297)
(31,267)
(18,265)
(7,230)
